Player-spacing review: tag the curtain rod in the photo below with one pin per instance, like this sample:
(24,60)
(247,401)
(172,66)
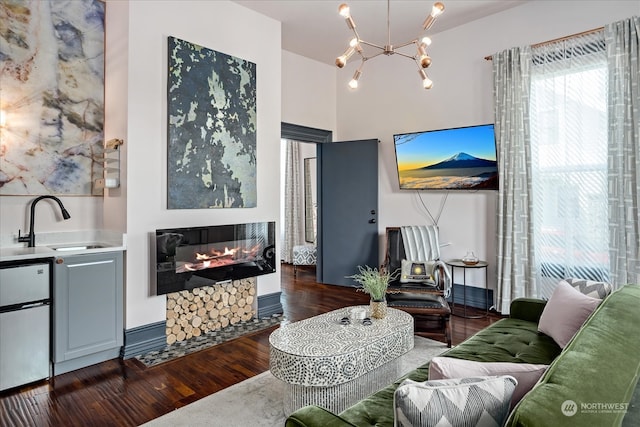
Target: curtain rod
(559,39)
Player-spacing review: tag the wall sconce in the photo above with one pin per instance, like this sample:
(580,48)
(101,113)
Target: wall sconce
(111,165)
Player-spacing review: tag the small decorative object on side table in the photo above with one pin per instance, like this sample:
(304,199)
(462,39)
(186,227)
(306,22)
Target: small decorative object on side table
(470,258)
(467,263)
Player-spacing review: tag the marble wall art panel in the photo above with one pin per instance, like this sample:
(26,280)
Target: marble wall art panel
(51,96)
(211,153)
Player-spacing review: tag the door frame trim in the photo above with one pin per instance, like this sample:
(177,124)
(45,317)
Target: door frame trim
(304,133)
(315,136)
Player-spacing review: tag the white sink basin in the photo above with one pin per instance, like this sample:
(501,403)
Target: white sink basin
(77,247)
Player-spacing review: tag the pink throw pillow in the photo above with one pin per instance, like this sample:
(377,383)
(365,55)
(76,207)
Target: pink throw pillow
(526,374)
(565,312)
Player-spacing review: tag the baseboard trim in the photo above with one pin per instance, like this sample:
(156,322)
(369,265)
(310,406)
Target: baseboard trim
(152,336)
(269,305)
(144,339)
(476,297)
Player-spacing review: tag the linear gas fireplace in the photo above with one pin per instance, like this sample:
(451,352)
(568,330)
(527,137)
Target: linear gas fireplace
(192,257)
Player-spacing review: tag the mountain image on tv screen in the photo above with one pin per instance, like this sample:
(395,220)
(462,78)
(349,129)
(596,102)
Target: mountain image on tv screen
(448,159)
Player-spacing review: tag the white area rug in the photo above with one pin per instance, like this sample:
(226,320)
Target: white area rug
(258,400)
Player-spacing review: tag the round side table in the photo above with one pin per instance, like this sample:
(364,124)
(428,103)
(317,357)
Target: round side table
(457,263)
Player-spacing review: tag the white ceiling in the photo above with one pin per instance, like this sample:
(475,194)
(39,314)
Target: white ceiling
(313,28)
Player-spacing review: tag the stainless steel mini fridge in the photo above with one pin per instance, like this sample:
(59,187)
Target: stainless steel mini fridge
(24,323)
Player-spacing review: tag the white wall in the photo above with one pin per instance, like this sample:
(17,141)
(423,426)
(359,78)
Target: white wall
(226,27)
(308,92)
(86,214)
(391,100)
(116,110)
(308,99)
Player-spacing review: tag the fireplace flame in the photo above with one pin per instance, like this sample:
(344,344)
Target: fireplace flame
(218,258)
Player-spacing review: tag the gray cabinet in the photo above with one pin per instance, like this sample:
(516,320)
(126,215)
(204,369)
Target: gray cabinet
(88,310)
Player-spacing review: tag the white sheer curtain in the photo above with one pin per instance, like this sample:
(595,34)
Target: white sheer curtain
(293,205)
(569,160)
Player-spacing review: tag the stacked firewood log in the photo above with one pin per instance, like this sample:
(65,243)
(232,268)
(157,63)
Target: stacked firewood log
(210,308)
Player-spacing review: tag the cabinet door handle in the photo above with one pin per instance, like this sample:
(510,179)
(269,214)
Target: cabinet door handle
(59,260)
(372,221)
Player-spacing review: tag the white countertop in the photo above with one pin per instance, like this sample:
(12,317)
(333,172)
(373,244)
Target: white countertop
(75,243)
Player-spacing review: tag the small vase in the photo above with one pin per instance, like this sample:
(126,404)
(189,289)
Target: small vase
(470,258)
(378,309)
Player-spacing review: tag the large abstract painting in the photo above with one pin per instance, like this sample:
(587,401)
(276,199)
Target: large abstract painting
(51,96)
(211,152)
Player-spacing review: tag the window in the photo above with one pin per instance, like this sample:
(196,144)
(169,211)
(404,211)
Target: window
(569,161)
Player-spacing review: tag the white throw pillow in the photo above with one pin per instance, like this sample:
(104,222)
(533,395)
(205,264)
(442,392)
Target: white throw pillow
(478,401)
(527,374)
(565,312)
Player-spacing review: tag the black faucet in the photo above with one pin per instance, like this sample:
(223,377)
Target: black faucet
(31,237)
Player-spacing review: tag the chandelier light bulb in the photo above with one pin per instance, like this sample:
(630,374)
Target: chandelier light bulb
(344,10)
(426,40)
(437,9)
(353,84)
(353,42)
(426,81)
(342,59)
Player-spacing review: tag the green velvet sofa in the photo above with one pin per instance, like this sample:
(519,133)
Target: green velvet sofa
(598,370)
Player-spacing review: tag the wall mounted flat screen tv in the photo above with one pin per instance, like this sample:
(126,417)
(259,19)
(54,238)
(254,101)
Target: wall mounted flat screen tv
(447,159)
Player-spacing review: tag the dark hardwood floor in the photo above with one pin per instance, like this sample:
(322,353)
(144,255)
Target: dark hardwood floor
(126,393)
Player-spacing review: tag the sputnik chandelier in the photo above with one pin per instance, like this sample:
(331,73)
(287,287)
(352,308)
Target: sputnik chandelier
(355,46)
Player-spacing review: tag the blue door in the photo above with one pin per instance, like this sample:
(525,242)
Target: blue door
(348,209)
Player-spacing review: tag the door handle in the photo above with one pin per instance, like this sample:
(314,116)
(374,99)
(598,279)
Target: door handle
(372,221)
